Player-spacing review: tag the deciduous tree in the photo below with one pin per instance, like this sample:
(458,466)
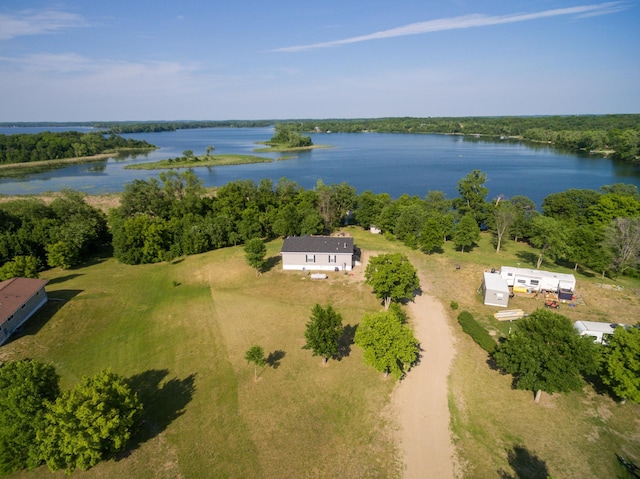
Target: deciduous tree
(388,343)
(392,277)
(25,388)
(621,363)
(254,252)
(549,235)
(255,355)
(89,422)
(622,238)
(466,232)
(544,352)
(323,332)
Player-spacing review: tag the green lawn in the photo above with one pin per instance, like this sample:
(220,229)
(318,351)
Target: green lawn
(182,347)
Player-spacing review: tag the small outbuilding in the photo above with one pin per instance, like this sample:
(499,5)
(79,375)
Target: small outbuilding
(318,253)
(20,298)
(596,330)
(495,290)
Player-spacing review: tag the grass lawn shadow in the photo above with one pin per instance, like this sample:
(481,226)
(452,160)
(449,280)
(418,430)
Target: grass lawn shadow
(62,279)
(528,258)
(274,358)
(345,341)
(525,464)
(163,403)
(271,263)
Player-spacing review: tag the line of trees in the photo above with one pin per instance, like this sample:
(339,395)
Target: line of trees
(618,135)
(172,215)
(34,235)
(24,148)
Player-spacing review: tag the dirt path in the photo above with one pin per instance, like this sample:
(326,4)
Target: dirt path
(419,402)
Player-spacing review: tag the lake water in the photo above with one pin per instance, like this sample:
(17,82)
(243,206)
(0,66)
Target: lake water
(391,163)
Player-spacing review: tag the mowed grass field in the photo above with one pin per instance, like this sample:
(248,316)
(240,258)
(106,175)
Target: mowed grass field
(178,332)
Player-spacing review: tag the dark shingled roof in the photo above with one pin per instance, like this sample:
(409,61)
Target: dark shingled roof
(317,244)
(15,292)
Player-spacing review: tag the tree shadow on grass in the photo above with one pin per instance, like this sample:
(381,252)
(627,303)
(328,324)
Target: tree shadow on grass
(163,402)
(525,465)
(271,263)
(528,258)
(274,358)
(345,341)
(62,279)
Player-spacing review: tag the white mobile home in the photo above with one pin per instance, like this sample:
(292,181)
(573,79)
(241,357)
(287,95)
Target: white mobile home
(317,253)
(495,291)
(537,280)
(598,331)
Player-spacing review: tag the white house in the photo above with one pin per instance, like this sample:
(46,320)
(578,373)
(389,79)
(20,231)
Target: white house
(20,298)
(317,253)
(598,331)
(536,280)
(495,290)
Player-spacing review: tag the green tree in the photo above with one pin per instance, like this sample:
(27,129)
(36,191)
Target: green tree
(392,277)
(544,352)
(504,214)
(466,232)
(473,194)
(210,149)
(25,388)
(255,355)
(388,343)
(323,332)
(549,235)
(431,235)
(20,267)
(85,424)
(621,363)
(254,253)
(622,240)
(62,254)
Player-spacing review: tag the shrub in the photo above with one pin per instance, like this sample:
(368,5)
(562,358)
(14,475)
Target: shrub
(477,332)
(453,305)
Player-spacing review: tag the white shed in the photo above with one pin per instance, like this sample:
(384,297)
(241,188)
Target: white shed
(495,290)
(598,331)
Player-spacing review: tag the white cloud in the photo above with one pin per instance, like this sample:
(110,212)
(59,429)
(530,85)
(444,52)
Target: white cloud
(31,22)
(465,21)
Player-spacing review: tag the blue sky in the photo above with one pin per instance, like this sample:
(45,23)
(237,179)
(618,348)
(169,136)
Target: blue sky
(197,60)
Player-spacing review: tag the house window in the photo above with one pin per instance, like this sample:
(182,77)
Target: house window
(332,258)
(522,281)
(311,258)
(535,282)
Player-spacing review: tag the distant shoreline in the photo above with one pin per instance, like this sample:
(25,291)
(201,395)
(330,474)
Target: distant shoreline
(69,161)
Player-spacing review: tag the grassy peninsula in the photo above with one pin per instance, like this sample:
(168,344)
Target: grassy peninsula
(200,161)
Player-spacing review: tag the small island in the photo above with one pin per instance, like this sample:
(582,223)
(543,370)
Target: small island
(286,140)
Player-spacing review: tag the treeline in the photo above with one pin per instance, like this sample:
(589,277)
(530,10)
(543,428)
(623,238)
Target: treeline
(34,235)
(172,215)
(617,135)
(23,148)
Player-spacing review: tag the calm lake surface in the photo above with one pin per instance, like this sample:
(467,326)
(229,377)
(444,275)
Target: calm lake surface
(391,163)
